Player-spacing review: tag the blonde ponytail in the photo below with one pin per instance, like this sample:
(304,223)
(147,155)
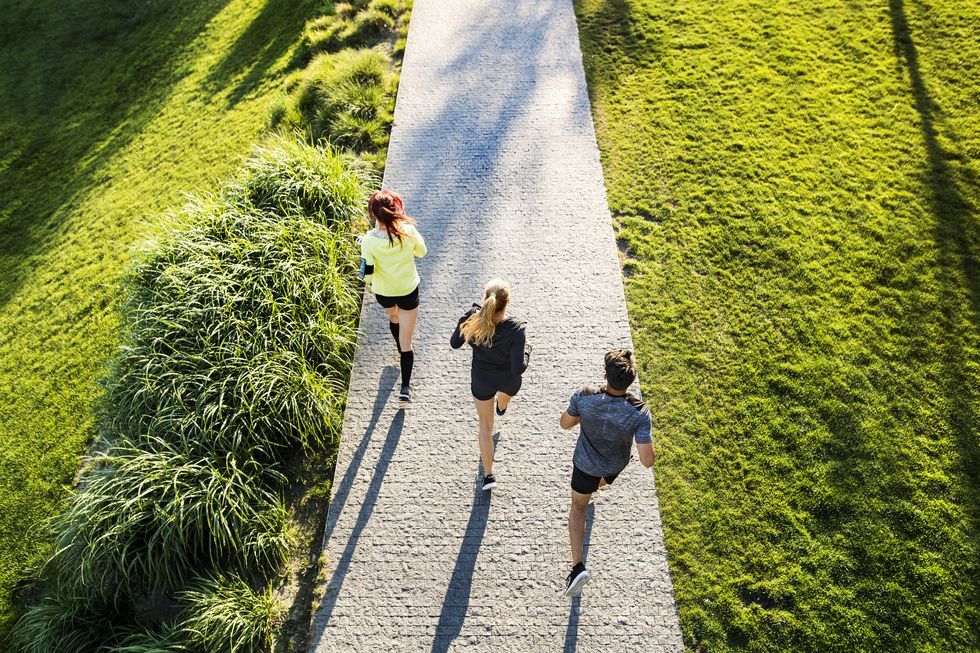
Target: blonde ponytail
(479,328)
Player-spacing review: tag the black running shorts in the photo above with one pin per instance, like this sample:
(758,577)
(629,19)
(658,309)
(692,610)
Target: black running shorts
(405,302)
(586,483)
(485,386)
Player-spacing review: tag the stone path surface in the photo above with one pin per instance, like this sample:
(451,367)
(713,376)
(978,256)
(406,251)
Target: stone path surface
(494,151)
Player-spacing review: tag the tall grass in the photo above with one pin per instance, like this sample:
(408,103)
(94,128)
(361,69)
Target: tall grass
(241,332)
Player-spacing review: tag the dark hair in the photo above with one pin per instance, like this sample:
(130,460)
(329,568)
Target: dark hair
(387,208)
(620,369)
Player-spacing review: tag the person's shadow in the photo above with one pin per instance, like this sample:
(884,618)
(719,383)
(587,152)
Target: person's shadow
(457,599)
(571,633)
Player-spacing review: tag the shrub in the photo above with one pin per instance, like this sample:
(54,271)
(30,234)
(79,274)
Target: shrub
(226,615)
(149,521)
(346,98)
(63,623)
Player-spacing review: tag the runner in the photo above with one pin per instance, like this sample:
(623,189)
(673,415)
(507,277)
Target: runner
(610,419)
(388,256)
(500,357)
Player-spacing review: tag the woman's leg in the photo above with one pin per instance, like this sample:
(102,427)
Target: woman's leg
(406,330)
(503,400)
(484,409)
(393,324)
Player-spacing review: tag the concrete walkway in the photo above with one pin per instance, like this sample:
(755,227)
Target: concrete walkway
(494,151)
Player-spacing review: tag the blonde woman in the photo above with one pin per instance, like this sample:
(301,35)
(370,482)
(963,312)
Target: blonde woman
(388,254)
(499,361)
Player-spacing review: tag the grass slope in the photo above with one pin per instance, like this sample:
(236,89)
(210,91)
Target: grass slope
(110,112)
(796,187)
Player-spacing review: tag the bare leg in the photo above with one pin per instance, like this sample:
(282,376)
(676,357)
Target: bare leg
(485,411)
(392,314)
(576,524)
(503,400)
(406,327)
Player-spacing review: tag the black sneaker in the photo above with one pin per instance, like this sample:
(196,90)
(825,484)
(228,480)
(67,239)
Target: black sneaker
(576,581)
(496,408)
(489,482)
(405,394)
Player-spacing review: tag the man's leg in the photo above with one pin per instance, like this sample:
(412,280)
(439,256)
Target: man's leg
(576,525)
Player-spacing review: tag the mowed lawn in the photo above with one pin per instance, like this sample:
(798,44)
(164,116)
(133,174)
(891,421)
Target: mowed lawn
(110,110)
(796,188)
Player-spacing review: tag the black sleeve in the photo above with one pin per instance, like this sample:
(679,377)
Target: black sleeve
(457,340)
(518,362)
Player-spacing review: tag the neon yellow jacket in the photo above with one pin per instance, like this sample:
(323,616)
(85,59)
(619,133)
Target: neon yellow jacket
(394,263)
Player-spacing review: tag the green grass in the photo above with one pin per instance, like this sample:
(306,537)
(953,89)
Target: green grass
(796,191)
(110,112)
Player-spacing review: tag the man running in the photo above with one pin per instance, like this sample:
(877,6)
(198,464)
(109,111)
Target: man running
(610,419)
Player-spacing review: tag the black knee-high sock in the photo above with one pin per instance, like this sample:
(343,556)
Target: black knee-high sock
(408,360)
(393,326)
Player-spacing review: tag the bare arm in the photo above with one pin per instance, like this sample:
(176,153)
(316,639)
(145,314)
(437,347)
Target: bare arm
(568,421)
(646,453)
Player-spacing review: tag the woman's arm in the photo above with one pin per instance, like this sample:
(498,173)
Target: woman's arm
(420,249)
(457,340)
(517,363)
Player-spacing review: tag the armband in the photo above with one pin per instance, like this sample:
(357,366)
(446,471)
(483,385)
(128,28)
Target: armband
(366,269)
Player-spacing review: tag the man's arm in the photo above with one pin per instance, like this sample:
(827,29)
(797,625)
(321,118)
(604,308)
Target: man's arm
(567,421)
(646,453)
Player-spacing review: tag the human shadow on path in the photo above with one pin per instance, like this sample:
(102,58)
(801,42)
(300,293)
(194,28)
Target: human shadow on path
(457,599)
(367,509)
(571,632)
(342,490)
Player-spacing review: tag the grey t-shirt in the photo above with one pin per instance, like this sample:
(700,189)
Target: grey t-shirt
(608,426)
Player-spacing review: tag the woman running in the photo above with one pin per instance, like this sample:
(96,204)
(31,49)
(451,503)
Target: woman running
(388,255)
(499,360)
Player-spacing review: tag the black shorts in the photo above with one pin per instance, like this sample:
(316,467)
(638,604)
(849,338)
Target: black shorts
(485,385)
(586,483)
(404,302)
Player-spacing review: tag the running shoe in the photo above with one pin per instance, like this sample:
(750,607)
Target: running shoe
(405,394)
(496,408)
(576,581)
(489,482)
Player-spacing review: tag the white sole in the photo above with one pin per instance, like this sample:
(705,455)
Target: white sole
(489,486)
(575,589)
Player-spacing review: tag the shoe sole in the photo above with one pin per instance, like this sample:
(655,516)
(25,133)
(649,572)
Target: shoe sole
(490,486)
(575,589)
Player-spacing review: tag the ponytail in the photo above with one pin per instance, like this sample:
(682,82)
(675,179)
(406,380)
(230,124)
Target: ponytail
(387,208)
(478,329)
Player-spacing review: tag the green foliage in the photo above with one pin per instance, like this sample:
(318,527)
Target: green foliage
(241,331)
(225,615)
(796,190)
(346,97)
(63,623)
(357,25)
(147,520)
(110,112)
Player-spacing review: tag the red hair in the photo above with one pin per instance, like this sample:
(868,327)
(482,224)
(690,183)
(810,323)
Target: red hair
(388,209)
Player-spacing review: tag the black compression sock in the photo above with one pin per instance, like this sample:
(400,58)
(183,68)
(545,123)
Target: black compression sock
(408,361)
(393,327)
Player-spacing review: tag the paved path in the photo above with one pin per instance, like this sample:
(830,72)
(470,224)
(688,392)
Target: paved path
(494,151)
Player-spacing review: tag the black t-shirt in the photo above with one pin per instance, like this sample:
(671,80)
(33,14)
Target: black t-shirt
(505,353)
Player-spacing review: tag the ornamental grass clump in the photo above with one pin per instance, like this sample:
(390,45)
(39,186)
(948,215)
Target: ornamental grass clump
(241,326)
(149,521)
(226,615)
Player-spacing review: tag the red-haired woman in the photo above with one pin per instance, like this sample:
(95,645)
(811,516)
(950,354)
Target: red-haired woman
(499,361)
(388,255)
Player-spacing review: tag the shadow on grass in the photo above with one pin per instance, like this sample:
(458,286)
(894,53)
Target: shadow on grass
(956,234)
(268,37)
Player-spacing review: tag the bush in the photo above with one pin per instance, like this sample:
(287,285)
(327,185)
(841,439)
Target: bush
(356,26)
(346,98)
(226,615)
(149,521)
(244,319)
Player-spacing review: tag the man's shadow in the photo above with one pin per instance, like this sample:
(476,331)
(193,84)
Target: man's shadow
(571,633)
(457,599)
